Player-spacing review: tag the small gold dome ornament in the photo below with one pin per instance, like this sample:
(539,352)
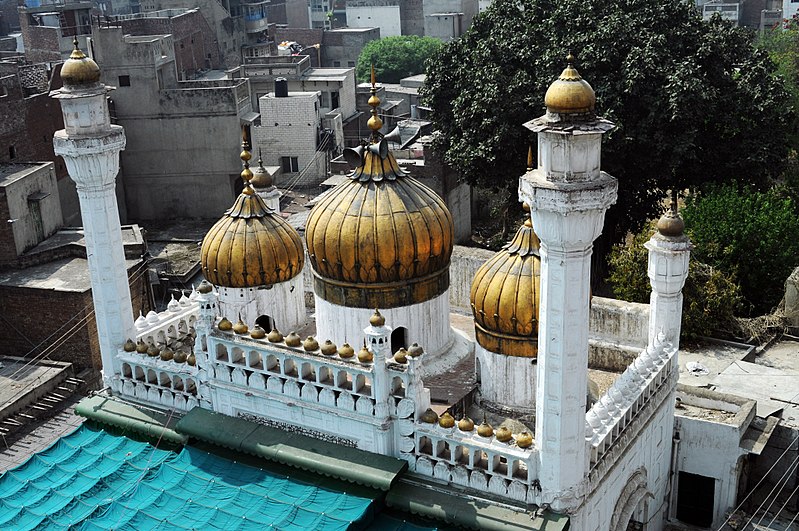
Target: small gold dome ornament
(328,348)
(415,350)
(346,351)
(524,440)
(225,325)
(429,416)
(240,328)
(205,287)
(365,355)
(446,421)
(466,424)
(485,429)
(570,93)
(261,178)
(310,344)
(180,356)
(293,340)
(401,356)
(191,359)
(257,332)
(167,354)
(141,347)
(671,223)
(504,434)
(153,351)
(129,346)
(79,70)
(274,336)
(377,319)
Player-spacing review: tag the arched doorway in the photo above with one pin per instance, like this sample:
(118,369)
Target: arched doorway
(630,512)
(266,322)
(399,339)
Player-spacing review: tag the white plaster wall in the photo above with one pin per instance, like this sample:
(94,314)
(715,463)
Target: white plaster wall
(710,449)
(427,323)
(789,9)
(650,449)
(569,158)
(507,381)
(463,266)
(387,18)
(39,179)
(283,302)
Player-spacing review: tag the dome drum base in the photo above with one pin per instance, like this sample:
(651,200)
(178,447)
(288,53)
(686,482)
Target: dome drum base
(382,295)
(508,345)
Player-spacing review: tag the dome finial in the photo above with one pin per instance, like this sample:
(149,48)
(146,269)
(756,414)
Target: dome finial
(374,123)
(671,223)
(246,173)
(570,94)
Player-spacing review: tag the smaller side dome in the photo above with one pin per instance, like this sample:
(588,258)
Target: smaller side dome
(570,93)
(505,297)
(261,178)
(79,70)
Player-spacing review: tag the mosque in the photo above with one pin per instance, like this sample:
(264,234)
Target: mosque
(225,362)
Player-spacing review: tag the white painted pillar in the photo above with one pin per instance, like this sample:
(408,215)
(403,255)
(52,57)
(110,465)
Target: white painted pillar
(90,146)
(669,254)
(378,337)
(568,196)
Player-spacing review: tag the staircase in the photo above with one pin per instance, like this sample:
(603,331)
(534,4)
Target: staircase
(43,408)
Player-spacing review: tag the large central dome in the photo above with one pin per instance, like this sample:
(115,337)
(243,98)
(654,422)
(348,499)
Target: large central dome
(382,239)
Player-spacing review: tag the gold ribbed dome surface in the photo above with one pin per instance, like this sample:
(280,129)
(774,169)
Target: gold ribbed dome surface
(79,70)
(384,241)
(251,246)
(570,93)
(505,297)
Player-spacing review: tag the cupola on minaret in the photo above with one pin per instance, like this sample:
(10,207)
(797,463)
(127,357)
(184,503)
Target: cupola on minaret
(568,195)
(90,146)
(381,240)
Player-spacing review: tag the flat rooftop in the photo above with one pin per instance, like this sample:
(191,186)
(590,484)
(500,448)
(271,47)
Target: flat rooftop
(10,173)
(68,274)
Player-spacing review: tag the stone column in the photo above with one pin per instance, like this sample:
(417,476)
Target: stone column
(90,146)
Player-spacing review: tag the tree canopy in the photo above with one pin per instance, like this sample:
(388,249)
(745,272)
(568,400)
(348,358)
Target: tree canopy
(395,57)
(694,102)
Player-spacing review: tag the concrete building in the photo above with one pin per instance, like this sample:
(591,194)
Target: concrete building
(341,47)
(162,178)
(49,27)
(386,18)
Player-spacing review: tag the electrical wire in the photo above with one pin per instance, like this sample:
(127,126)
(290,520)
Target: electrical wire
(772,495)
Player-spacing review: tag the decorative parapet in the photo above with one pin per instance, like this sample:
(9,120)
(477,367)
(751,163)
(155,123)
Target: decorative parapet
(469,459)
(176,321)
(643,386)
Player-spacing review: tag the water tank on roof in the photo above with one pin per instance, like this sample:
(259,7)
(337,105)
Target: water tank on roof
(281,87)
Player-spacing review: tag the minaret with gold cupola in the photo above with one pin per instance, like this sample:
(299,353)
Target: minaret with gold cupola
(568,195)
(381,240)
(90,146)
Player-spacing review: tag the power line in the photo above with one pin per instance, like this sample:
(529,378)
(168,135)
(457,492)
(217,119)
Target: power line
(773,496)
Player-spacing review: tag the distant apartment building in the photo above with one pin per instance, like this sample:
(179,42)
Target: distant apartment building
(180,156)
(49,27)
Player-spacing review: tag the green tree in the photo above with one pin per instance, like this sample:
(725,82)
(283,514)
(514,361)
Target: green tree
(694,102)
(749,234)
(710,296)
(395,57)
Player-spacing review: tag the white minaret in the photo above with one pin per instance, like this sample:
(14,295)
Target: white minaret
(568,196)
(90,146)
(669,252)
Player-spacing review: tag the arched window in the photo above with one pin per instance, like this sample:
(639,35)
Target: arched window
(399,339)
(266,322)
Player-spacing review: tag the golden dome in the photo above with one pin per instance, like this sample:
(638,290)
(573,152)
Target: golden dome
(257,332)
(191,359)
(485,429)
(240,327)
(377,319)
(382,239)
(365,355)
(328,348)
(524,440)
(506,295)
(570,93)
(251,246)
(79,70)
(167,354)
(401,356)
(225,325)
(261,178)
(446,420)
(274,336)
(429,416)
(141,347)
(293,340)
(181,356)
(466,424)
(310,344)
(504,434)
(129,346)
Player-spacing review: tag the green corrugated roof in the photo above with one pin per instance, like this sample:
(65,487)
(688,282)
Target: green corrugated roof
(293,449)
(464,511)
(112,412)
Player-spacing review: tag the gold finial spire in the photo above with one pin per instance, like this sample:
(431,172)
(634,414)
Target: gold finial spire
(374,123)
(530,158)
(246,173)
